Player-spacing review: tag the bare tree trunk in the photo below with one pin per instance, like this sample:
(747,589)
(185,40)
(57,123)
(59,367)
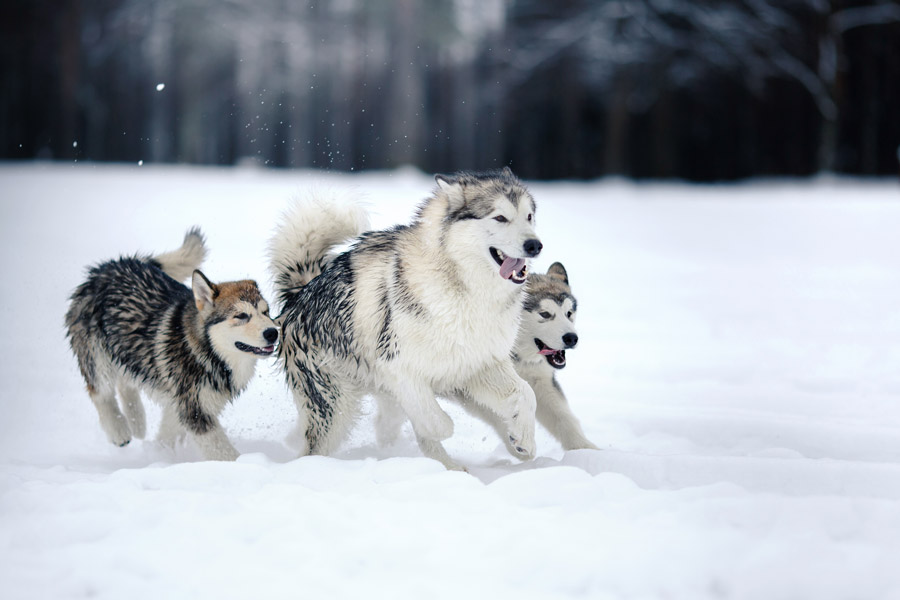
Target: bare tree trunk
(404,114)
(617,119)
(159,49)
(69,76)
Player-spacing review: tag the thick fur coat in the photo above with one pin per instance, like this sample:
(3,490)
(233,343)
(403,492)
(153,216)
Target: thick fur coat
(133,327)
(409,313)
(546,332)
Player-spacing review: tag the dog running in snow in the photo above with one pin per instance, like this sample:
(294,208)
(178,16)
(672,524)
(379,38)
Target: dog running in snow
(409,313)
(547,330)
(133,326)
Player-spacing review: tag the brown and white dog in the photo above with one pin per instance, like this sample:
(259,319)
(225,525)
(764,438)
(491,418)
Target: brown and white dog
(133,326)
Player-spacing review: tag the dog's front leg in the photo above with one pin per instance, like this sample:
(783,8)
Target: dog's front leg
(554,413)
(435,450)
(215,444)
(205,430)
(500,389)
(170,427)
(428,419)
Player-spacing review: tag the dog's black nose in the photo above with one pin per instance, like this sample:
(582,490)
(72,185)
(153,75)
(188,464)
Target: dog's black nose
(271,335)
(570,339)
(532,247)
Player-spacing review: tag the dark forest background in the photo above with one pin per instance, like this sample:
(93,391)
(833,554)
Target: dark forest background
(712,90)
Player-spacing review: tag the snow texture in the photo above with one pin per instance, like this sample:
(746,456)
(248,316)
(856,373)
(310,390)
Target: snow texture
(738,367)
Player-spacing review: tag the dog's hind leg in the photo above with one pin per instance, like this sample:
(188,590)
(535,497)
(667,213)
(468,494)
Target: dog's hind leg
(300,436)
(113,422)
(98,376)
(134,409)
(389,421)
(203,425)
(328,423)
(327,407)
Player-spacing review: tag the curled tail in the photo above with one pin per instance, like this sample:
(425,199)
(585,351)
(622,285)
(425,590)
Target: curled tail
(180,264)
(309,229)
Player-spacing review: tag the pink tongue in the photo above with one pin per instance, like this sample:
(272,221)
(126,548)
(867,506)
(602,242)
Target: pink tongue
(511,265)
(547,351)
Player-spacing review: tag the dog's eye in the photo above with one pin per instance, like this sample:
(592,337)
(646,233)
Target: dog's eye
(569,315)
(530,217)
(544,314)
(501,219)
(242,317)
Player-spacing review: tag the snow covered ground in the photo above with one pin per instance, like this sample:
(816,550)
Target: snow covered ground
(739,366)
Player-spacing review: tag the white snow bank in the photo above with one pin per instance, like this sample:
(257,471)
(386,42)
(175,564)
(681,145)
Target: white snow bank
(737,364)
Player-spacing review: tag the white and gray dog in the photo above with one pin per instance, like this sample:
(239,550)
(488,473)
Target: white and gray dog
(546,332)
(133,326)
(409,313)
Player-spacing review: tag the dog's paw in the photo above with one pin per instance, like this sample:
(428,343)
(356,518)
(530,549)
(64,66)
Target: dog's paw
(522,448)
(118,432)
(521,423)
(121,442)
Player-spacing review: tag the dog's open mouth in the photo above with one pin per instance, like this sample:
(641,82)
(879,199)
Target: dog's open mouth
(511,268)
(556,358)
(264,351)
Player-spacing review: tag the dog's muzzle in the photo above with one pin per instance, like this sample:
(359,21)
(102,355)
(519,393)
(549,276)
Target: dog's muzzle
(513,269)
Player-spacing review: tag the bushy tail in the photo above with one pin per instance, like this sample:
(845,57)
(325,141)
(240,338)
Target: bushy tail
(303,241)
(180,264)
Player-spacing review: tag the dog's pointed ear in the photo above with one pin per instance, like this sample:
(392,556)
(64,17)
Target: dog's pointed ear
(205,291)
(453,188)
(558,271)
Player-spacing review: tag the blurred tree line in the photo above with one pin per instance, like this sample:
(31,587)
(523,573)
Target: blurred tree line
(704,90)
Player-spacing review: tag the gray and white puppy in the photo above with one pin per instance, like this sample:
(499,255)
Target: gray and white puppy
(546,332)
(133,327)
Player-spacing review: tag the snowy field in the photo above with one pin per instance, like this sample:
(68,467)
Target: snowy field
(739,366)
